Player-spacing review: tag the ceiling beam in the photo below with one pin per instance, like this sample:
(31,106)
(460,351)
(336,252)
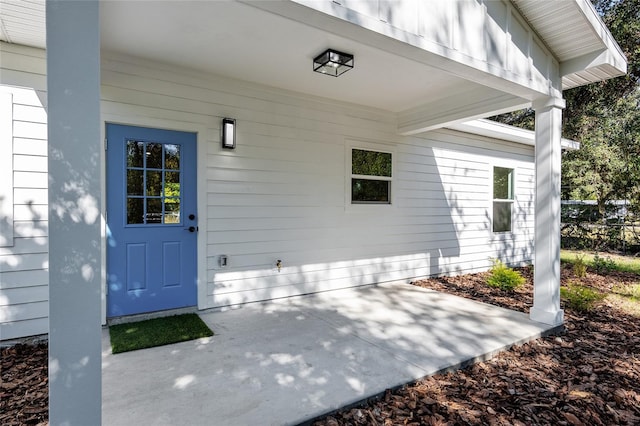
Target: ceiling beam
(478,103)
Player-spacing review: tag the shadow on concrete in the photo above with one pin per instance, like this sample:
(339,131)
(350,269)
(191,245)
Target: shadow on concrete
(287,362)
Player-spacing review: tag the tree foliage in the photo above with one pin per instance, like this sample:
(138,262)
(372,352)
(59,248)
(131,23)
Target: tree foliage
(605,118)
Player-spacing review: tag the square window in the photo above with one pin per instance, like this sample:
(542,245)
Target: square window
(371,176)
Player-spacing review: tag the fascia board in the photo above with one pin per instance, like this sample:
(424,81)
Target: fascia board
(493,129)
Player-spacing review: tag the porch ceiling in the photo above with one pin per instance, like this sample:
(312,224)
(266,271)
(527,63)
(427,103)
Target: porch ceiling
(248,43)
(257,42)
(243,42)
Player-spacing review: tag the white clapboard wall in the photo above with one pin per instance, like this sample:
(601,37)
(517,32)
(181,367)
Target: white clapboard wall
(282,194)
(24,241)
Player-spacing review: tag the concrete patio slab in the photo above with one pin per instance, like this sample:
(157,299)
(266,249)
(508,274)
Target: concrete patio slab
(291,360)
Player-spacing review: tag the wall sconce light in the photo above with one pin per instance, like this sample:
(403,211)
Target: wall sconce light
(332,62)
(228,133)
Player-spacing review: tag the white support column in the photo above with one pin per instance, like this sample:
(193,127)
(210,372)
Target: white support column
(546,291)
(73,85)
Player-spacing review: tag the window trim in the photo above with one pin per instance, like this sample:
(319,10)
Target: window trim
(511,201)
(350,145)
(6,169)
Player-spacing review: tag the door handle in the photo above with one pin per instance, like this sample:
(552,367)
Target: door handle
(191,229)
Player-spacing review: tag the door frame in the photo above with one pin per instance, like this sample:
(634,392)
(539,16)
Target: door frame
(203,139)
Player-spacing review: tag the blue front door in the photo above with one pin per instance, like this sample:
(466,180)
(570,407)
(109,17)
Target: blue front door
(152,221)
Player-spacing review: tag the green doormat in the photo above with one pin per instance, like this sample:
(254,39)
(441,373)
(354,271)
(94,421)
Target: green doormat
(157,332)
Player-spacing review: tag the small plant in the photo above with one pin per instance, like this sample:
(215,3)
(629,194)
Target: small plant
(580,298)
(603,265)
(580,267)
(503,277)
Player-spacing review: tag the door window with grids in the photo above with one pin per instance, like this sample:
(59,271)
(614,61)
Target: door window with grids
(153,183)
(503,198)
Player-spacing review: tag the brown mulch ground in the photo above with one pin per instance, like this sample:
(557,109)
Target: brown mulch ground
(24,385)
(588,375)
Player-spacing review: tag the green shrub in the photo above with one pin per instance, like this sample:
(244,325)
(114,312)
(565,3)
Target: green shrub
(603,265)
(503,277)
(580,267)
(580,298)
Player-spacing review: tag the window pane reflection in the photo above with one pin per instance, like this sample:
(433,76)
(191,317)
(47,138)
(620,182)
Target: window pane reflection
(135,182)
(154,210)
(502,183)
(171,157)
(135,210)
(135,154)
(154,183)
(370,191)
(501,216)
(171,210)
(371,163)
(172,184)
(154,156)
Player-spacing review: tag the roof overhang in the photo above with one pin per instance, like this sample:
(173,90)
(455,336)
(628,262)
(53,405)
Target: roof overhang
(573,30)
(272,43)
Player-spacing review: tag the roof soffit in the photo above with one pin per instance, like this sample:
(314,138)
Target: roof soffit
(23,22)
(573,31)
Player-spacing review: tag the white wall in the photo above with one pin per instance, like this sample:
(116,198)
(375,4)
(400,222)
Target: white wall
(24,249)
(281,193)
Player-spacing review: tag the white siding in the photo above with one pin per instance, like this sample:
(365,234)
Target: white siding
(24,251)
(281,193)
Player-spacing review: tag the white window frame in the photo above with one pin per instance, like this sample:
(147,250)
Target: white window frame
(368,146)
(511,201)
(6,169)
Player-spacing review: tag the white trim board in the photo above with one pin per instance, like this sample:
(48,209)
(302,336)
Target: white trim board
(6,169)
(493,129)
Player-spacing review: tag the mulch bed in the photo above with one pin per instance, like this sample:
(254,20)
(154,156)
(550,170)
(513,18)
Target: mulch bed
(24,385)
(590,374)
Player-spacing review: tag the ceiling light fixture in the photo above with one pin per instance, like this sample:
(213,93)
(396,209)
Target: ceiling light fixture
(334,63)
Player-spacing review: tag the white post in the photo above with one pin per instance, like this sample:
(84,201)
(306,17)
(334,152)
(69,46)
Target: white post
(73,85)
(546,287)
